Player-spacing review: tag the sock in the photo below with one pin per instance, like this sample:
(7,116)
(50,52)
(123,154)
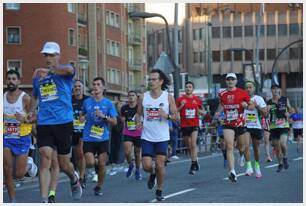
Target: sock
(233,171)
(248,164)
(52,193)
(158,192)
(257,164)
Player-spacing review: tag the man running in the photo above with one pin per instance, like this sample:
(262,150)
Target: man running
(297,124)
(254,128)
(278,107)
(78,127)
(189,107)
(131,135)
(156,107)
(233,100)
(52,88)
(99,113)
(16,133)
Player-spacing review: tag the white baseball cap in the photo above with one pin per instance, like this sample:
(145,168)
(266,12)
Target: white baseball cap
(231,75)
(51,48)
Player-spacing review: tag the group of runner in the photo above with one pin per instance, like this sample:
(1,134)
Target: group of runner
(67,119)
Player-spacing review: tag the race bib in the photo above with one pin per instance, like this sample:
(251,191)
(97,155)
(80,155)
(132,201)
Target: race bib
(152,114)
(77,125)
(131,125)
(232,115)
(11,130)
(251,119)
(96,132)
(280,122)
(190,113)
(48,92)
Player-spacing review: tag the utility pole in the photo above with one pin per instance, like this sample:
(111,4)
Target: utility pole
(258,23)
(176,72)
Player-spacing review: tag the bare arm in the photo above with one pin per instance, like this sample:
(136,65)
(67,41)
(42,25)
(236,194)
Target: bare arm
(139,113)
(64,70)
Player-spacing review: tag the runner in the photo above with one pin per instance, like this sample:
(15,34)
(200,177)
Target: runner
(52,88)
(233,100)
(190,106)
(131,135)
(16,133)
(156,107)
(254,128)
(99,113)
(297,124)
(78,127)
(279,125)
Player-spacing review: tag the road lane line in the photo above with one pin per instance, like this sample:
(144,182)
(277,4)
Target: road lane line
(240,174)
(175,194)
(299,158)
(269,166)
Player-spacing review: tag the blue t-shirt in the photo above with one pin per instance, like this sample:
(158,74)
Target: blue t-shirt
(96,129)
(54,93)
(297,116)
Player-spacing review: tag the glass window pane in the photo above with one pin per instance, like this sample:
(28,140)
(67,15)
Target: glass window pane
(294,29)
(248,55)
(237,31)
(248,30)
(271,54)
(270,30)
(262,30)
(216,56)
(295,53)
(282,30)
(238,56)
(226,55)
(227,32)
(262,54)
(13,35)
(215,32)
(12,6)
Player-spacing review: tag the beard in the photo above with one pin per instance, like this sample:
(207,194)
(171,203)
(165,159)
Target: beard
(12,87)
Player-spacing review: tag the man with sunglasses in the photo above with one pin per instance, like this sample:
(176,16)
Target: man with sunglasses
(52,92)
(233,100)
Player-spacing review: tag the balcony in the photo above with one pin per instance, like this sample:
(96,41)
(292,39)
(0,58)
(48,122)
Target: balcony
(134,38)
(82,19)
(83,52)
(135,64)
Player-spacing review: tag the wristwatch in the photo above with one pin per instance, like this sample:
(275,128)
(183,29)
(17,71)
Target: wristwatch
(168,117)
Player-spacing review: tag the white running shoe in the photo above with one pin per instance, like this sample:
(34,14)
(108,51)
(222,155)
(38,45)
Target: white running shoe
(174,157)
(241,160)
(258,173)
(249,171)
(95,178)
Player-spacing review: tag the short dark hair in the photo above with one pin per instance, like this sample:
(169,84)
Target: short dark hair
(13,71)
(78,80)
(132,91)
(101,79)
(189,82)
(162,76)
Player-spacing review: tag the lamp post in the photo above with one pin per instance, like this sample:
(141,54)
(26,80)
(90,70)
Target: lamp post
(83,63)
(176,73)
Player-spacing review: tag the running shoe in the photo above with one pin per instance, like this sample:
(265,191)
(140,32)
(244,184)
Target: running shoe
(95,178)
(151,181)
(249,171)
(286,165)
(280,168)
(197,166)
(98,191)
(130,170)
(241,160)
(159,196)
(76,189)
(232,177)
(268,159)
(138,175)
(192,169)
(174,157)
(51,199)
(258,173)
(83,181)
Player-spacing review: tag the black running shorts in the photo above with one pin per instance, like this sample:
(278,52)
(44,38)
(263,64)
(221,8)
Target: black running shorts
(56,136)
(96,147)
(186,131)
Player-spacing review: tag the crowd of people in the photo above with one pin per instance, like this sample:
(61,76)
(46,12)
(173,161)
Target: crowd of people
(73,131)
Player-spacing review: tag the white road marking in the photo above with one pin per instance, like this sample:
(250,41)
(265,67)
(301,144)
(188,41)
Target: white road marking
(299,158)
(238,175)
(270,166)
(175,194)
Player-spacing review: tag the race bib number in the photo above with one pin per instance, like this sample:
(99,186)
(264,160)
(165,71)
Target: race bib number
(77,125)
(152,114)
(48,92)
(280,122)
(11,130)
(232,115)
(190,113)
(96,132)
(131,125)
(251,120)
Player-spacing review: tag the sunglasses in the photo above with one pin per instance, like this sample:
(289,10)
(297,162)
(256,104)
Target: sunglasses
(49,55)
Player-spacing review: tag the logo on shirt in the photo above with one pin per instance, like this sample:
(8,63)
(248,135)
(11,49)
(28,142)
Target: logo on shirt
(230,98)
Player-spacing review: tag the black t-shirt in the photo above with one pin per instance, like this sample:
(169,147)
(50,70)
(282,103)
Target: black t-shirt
(128,112)
(77,108)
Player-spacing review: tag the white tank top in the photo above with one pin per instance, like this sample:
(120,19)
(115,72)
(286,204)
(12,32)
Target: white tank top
(155,129)
(11,109)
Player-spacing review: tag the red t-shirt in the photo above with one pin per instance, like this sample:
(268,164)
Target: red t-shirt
(189,112)
(233,110)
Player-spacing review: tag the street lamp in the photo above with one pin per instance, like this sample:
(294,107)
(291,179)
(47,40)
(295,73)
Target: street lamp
(176,73)
(83,63)
(252,63)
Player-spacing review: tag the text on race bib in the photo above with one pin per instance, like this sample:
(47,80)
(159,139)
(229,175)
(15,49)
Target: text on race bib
(48,92)
(232,115)
(190,113)
(96,132)
(131,125)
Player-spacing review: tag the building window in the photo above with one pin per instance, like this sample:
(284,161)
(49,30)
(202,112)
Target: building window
(201,32)
(201,55)
(237,55)
(271,54)
(195,57)
(261,54)
(14,64)
(295,53)
(227,32)
(71,37)
(248,55)
(271,30)
(226,56)
(180,58)
(282,30)
(114,76)
(13,35)
(237,31)
(248,30)
(195,34)
(262,30)
(159,37)
(112,48)
(294,29)
(284,55)
(112,19)
(11,6)
(180,36)
(216,56)
(71,7)
(215,32)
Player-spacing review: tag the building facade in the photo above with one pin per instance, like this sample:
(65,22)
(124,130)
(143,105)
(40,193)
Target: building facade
(93,37)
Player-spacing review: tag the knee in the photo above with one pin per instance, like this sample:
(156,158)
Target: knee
(146,166)
(20,173)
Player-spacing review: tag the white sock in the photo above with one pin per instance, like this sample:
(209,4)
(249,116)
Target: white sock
(233,171)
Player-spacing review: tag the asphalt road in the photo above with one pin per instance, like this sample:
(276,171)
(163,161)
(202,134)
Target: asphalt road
(209,185)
